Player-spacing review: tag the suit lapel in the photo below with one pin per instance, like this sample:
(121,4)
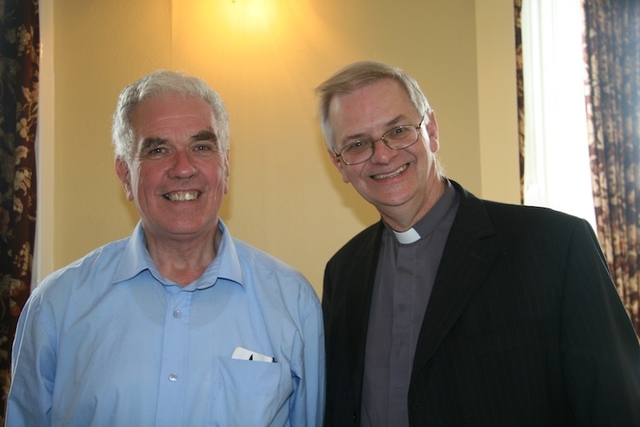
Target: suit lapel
(359,281)
(468,255)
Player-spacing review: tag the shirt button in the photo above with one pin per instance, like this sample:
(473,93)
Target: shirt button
(173,378)
(177,314)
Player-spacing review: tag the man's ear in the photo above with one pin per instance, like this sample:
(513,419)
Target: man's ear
(227,163)
(338,164)
(432,131)
(124,175)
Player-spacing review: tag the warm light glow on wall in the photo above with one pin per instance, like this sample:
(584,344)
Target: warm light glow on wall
(259,41)
(252,16)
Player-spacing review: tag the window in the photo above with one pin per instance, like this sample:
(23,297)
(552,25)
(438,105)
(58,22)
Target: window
(557,169)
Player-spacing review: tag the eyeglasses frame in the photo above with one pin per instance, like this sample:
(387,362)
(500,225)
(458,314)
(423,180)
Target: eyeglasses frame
(384,140)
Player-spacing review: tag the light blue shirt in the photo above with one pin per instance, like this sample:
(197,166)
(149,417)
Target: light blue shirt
(107,341)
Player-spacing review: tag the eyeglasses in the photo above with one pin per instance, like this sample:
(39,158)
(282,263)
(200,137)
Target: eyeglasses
(396,139)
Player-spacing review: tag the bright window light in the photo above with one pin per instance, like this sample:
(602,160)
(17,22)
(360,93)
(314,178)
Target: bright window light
(557,167)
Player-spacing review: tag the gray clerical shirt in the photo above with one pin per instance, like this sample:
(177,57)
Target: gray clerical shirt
(404,279)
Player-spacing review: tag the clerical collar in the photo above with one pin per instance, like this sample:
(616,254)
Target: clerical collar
(430,221)
(407,237)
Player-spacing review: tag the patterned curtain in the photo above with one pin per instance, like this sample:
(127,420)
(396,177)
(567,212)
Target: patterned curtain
(612,51)
(520,83)
(19,55)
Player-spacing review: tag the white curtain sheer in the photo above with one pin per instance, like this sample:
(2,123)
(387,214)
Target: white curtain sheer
(557,168)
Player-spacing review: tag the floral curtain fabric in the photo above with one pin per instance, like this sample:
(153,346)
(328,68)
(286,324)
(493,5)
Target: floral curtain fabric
(612,53)
(19,55)
(520,88)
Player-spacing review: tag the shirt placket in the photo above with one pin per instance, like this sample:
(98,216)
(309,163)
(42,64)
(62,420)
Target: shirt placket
(173,371)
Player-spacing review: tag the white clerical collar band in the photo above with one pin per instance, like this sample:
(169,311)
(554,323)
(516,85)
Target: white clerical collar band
(407,237)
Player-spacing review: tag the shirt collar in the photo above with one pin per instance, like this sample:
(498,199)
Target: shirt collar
(226,264)
(136,259)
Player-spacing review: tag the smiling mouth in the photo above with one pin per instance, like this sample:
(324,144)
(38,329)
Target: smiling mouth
(182,196)
(392,174)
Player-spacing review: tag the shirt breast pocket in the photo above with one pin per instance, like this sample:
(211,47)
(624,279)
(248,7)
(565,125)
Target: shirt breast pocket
(250,393)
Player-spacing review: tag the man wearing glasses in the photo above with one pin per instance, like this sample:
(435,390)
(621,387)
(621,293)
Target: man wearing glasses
(454,310)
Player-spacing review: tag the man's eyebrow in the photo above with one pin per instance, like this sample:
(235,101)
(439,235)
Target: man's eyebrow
(390,123)
(396,120)
(151,143)
(205,135)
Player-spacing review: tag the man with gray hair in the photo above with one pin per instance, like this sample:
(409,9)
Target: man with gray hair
(456,311)
(179,324)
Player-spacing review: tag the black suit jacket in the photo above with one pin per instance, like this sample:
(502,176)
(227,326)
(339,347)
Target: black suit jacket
(523,327)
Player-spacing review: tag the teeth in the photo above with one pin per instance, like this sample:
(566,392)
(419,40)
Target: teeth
(181,196)
(392,174)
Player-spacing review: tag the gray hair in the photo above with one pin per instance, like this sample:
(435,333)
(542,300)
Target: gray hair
(163,82)
(360,74)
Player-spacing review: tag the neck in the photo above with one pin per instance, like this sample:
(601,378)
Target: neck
(184,261)
(402,218)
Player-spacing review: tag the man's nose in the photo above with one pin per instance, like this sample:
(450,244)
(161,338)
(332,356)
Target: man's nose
(183,165)
(381,152)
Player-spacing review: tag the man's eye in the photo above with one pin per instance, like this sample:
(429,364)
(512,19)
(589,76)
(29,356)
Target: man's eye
(156,150)
(355,146)
(206,148)
(399,130)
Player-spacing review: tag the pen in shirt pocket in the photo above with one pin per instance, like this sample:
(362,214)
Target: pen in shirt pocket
(241,353)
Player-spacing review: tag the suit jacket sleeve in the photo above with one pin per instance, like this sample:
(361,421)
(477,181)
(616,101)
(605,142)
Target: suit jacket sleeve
(599,349)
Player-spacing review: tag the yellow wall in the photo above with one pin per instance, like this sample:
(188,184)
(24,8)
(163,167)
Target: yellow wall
(285,197)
